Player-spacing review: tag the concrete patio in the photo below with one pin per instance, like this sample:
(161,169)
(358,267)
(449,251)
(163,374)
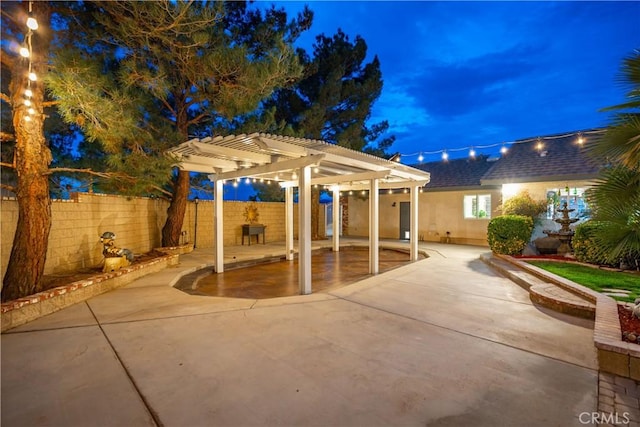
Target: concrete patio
(441,342)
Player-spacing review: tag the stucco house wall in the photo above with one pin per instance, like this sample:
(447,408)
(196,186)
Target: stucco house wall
(438,212)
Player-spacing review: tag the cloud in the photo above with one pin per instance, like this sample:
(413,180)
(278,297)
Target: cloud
(455,89)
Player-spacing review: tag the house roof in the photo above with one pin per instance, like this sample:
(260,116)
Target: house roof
(550,158)
(456,173)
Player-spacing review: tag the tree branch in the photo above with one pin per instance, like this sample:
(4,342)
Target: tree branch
(7,165)
(6,137)
(5,98)
(8,187)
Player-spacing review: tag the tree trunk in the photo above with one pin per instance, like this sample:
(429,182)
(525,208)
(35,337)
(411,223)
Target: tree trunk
(29,250)
(177,208)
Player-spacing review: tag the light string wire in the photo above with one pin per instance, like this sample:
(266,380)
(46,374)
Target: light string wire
(472,149)
(32,24)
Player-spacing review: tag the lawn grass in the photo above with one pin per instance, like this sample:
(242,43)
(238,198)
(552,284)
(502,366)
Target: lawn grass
(594,278)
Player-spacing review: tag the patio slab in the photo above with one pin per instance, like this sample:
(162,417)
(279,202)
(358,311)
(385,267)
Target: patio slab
(440,342)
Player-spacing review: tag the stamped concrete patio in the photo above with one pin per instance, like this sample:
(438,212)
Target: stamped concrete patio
(443,341)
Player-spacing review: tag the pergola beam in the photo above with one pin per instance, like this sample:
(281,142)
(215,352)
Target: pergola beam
(284,165)
(390,185)
(231,153)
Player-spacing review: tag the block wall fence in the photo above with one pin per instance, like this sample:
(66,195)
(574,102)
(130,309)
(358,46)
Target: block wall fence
(74,239)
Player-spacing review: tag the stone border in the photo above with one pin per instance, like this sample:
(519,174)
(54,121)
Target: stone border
(618,360)
(23,310)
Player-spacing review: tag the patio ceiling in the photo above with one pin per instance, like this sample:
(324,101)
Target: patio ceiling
(279,158)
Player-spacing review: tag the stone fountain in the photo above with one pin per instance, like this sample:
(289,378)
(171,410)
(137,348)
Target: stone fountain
(565,234)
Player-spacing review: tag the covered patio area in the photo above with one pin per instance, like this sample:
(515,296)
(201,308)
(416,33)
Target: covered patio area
(302,163)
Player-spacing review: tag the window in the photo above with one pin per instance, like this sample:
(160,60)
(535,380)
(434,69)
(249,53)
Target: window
(573,197)
(477,206)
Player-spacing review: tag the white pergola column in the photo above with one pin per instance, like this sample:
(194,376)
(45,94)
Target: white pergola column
(304,230)
(374,198)
(218,226)
(336,218)
(288,221)
(413,223)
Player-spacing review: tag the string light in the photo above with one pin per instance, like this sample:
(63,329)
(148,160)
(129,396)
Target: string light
(504,146)
(445,155)
(539,145)
(32,23)
(26,51)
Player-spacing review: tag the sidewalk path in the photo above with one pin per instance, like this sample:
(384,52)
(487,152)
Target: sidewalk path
(440,342)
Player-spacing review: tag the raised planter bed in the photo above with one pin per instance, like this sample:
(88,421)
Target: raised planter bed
(23,310)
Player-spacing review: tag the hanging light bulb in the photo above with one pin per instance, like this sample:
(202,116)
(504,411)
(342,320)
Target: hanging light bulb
(24,52)
(390,191)
(504,149)
(580,139)
(316,169)
(472,153)
(31,111)
(27,103)
(405,191)
(420,157)
(539,145)
(28,93)
(294,176)
(32,23)
(27,118)
(445,155)
(247,181)
(33,77)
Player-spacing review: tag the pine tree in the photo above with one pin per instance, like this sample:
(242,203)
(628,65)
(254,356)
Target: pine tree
(199,62)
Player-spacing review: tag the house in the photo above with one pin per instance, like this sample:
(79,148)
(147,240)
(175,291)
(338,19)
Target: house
(464,194)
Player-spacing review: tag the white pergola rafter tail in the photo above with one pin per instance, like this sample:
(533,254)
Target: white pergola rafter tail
(281,166)
(231,153)
(195,163)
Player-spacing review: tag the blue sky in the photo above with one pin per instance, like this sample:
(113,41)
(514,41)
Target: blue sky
(459,74)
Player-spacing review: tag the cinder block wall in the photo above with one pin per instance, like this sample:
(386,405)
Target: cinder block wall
(74,239)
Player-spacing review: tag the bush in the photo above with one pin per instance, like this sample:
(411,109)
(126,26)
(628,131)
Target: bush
(523,204)
(584,246)
(509,234)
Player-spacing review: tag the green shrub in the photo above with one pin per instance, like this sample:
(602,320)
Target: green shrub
(584,246)
(523,204)
(509,234)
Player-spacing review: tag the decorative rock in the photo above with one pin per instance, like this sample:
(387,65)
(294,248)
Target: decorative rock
(637,301)
(636,311)
(632,337)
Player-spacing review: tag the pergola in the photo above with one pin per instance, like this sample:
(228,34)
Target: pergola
(303,163)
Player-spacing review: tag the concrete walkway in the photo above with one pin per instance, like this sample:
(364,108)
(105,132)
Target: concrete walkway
(440,342)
